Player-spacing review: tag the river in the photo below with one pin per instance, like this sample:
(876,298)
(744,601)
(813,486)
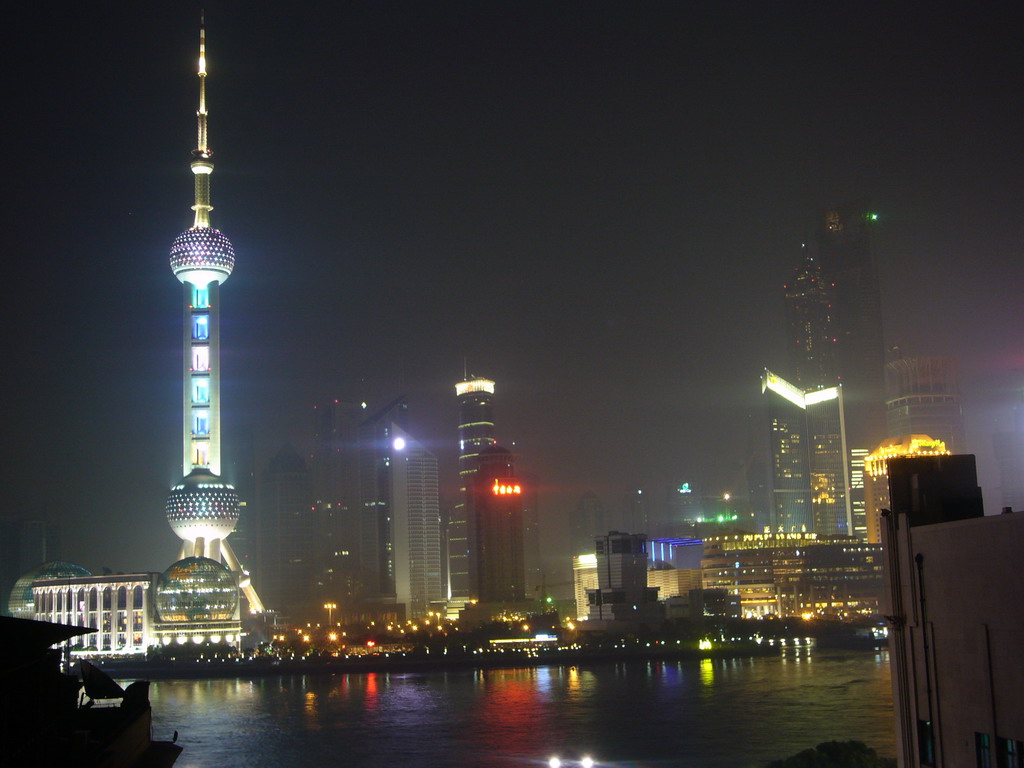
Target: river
(694,714)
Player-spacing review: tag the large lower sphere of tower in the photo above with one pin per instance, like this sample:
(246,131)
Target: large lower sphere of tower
(202,255)
(196,589)
(202,506)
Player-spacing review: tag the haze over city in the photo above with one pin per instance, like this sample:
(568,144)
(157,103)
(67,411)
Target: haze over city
(594,205)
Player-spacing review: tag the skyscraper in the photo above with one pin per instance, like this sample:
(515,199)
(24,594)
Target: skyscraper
(1008,447)
(496,561)
(809,323)
(476,432)
(203,509)
(922,397)
(288,542)
(845,241)
(376,544)
(416,526)
(809,467)
(335,471)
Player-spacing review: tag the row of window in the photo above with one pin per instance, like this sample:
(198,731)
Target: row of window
(86,599)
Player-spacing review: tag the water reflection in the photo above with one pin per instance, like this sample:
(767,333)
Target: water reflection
(641,714)
(707,672)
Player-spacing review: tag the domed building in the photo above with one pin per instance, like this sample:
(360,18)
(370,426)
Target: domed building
(197,600)
(22,603)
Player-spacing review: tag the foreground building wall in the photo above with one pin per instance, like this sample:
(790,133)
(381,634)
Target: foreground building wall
(953,591)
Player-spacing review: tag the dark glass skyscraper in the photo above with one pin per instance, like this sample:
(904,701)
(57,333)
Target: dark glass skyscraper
(812,334)
(845,241)
(496,562)
(476,432)
(376,543)
(287,538)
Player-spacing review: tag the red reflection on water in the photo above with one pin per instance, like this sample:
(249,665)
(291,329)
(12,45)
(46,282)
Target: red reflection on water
(511,718)
(371,691)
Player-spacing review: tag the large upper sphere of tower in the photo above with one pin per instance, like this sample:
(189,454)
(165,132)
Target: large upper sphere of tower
(202,255)
(202,505)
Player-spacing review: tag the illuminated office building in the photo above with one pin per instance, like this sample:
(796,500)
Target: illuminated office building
(876,474)
(415,526)
(376,543)
(792,574)
(858,493)
(202,508)
(923,398)
(476,432)
(810,471)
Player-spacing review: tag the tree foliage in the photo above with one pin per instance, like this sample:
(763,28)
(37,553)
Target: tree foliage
(836,754)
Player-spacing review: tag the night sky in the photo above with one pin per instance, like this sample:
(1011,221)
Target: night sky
(595,204)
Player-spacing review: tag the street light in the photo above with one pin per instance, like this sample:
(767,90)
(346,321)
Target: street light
(330,611)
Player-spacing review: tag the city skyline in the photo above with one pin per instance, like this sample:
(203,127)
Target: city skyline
(618,268)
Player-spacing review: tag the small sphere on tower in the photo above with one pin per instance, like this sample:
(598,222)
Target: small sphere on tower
(202,505)
(202,255)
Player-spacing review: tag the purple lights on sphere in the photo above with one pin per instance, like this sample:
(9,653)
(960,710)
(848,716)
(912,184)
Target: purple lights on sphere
(202,249)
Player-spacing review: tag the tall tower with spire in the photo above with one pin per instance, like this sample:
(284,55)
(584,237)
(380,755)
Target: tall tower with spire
(202,509)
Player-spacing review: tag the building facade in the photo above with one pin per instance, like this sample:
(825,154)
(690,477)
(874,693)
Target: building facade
(922,397)
(845,240)
(953,586)
(795,574)
(876,479)
(810,473)
(623,597)
(812,336)
(476,432)
(416,527)
(288,540)
(497,565)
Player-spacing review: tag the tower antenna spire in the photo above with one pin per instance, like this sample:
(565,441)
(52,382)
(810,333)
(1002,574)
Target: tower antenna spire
(202,155)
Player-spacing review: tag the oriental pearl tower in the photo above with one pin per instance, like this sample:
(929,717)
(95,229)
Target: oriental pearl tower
(202,508)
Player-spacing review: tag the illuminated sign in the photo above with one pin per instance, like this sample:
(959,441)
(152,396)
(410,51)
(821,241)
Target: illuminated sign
(476,385)
(506,488)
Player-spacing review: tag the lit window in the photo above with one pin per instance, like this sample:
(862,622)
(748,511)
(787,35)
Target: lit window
(200,327)
(201,422)
(200,298)
(200,390)
(200,358)
(982,749)
(201,453)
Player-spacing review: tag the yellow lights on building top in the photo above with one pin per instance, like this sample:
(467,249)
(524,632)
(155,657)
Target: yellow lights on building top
(474,385)
(902,447)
